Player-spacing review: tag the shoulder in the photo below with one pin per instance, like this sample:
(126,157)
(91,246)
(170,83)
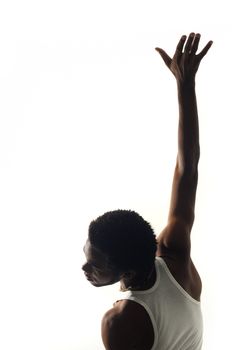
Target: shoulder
(175,240)
(127,326)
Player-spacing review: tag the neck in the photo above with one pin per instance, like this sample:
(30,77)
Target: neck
(142,284)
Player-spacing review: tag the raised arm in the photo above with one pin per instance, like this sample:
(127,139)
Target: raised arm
(175,238)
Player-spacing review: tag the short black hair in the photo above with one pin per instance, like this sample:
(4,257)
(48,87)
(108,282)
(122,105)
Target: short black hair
(126,239)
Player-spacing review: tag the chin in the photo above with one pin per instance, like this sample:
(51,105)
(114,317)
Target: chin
(95,283)
(101,284)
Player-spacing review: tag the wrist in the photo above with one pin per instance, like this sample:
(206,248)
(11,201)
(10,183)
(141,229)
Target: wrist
(186,84)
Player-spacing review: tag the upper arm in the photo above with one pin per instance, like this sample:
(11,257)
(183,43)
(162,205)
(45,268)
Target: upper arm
(114,334)
(130,329)
(176,235)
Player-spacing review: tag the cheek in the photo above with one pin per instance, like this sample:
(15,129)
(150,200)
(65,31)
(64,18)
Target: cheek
(101,275)
(109,277)
(98,274)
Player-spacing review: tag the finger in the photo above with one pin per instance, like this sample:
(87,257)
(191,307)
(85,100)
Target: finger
(195,44)
(205,50)
(180,46)
(165,57)
(189,43)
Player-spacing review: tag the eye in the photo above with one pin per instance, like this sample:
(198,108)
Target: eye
(93,266)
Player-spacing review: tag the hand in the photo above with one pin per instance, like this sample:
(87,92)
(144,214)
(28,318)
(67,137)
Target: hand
(185,61)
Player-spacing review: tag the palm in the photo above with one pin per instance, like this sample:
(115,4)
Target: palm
(185,61)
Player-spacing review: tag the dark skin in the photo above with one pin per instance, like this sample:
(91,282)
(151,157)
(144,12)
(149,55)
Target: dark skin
(127,325)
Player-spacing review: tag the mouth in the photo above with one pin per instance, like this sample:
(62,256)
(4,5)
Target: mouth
(88,277)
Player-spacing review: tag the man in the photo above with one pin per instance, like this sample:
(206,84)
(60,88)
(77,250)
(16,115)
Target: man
(159,303)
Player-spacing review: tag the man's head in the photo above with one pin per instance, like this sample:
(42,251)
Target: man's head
(119,242)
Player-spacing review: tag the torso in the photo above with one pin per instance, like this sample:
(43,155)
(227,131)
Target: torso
(184,273)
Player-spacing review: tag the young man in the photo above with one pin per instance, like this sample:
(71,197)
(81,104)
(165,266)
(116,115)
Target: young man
(159,303)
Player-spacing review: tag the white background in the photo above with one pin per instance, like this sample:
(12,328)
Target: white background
(88,123)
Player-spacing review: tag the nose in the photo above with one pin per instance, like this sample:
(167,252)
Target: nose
(85,267)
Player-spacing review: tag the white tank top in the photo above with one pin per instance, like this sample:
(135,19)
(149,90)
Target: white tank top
(176,317)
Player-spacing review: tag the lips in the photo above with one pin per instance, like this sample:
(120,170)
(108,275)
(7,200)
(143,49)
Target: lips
(88,277)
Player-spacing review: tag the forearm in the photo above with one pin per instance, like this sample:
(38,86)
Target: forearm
(188,128)
(184,66)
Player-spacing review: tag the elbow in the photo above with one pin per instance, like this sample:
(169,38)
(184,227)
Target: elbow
(188,167)
(188,162)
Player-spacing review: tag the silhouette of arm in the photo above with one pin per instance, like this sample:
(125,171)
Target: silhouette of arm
(184,65)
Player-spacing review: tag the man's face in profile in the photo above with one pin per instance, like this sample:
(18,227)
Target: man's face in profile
(97,269)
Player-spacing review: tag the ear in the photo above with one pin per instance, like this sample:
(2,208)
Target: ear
(128,275)
(126,279)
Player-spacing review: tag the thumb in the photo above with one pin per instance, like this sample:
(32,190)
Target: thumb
(167,60)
